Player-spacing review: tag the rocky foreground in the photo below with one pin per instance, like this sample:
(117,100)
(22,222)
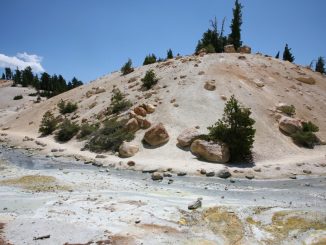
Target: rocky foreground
(59,201)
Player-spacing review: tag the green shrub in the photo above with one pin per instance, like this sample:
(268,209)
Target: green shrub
(235,129)
(65,108)
(110,137)
(87,129)
(149,59)
(48,124)
(306,136)
(18,97)
(67,130)
(149,79)
(127,68)
(118,102)
(288,110)
(210,49)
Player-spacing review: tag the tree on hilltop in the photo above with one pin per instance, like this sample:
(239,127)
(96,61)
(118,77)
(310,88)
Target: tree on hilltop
(287,55)
(235,36)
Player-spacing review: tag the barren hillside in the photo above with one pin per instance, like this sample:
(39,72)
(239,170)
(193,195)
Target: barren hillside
(181,102)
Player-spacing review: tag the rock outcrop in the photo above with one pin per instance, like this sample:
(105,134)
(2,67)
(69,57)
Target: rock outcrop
(307,80)
(187,136)
(245,49)
(229,49)
(127,149)
(210,151)
(290,125)
(157,135)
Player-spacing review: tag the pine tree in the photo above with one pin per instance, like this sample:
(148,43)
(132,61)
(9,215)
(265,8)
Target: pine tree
(17,77)
(320,65)
(8,73)
(149,59)
(27,76)
(287,55)
(3,76)
(169,54)
(277,55)
(76,83)
(235,36)
(127,67)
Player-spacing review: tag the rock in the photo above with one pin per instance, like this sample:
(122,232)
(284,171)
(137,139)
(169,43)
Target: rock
(181,173)
(289,125)
(143,122)
(306,171)
(40,143)
(250,176)
(283,107)
(257,169)
(229,49)
(156,176)
(131,163)
(241,57)
(224,173)
(167,175)
(223,97)
(132,125)
(149,108)
(137,221)
(26,138)
(140,111)
(210,174)
(202,171)
(100,156)
(170,181)
(245,49)
(97,164)
(201,73)
(54,150)
(128,149)
(196,204)
(99,90)
(210,151)
(259,83)
(89,94)
(307,79)
(150,171)
(157,135)
(277,168)
(292,176)
(210,85)
(187,136)
(299,164)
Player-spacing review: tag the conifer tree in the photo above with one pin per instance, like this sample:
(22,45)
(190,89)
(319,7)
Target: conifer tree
(149,59)
(27,76)
(235,36)
(17,77)
(169,54)
(320,65)
(8,73)
(3,76)
(277,55)
(287,55)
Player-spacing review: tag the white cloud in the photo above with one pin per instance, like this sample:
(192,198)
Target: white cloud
(22,60)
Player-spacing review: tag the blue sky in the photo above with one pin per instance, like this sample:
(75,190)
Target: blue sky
(89,38)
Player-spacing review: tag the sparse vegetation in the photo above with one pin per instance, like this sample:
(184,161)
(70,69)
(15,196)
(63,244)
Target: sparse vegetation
(288,110)
(235,129)
(150,79)
(87,129)
(110,137)
(306,136)
(118,102)
(127,67)
(66,108)
(67,130)
(48,124)
(18,97)
(149,59)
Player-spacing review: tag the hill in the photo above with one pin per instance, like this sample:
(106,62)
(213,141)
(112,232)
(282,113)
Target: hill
(181,101)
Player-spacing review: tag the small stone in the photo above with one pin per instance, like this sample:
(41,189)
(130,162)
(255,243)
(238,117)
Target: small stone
(299,164)
(131,163)
(250,176)
(292,176)
(224,174)
(196,204)
(278,168)
(210,174)
(150,171)
(137,221)
(156,176)
(167,175)
(306,171)
(202,171)
(257,169)
(170,181)
(181,173)
(307,184)
(100,156)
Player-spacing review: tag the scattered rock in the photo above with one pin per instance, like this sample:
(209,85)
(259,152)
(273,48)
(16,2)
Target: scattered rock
(224,173)
(241,57)
(181,173)
(292,176)
(100,156)
(196,204)
(170,181)
(131,163)
(250,176)
(201,73)
(290,125)
(40,143)
(307,80)
(140,111)
(223,97)
(210,85)
(128,149)
(187,136)
(210,174)
(229,49)
(157,135)
(150,171)
(257,169)
(26,138)
(99,90)
(137,221)
(299,164)
(245,49)
(210,151)
(149,108)
(202,171)
(306,171)
(156,176)
(132,125)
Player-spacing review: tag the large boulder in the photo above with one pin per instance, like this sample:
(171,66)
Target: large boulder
(128,149)
(132,125)
(140,111)
(210,151)
(149,108)
(157,135)
(307,80)
(245,49)
(229,49)
(289,125)
(187,136)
